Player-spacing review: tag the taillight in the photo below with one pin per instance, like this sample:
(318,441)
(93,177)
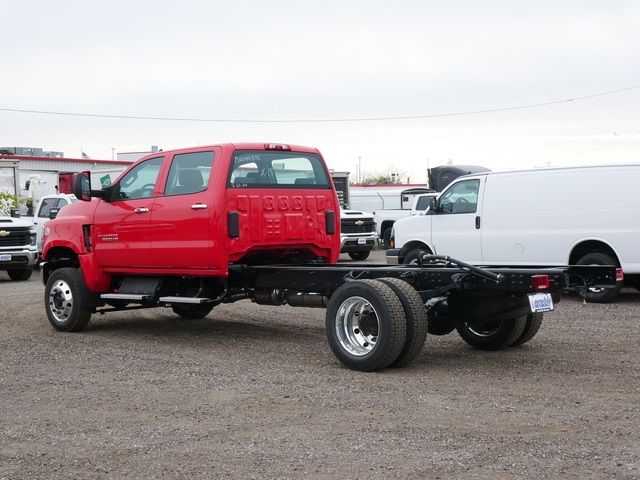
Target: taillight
(619,275)
(276,146)
(540,282)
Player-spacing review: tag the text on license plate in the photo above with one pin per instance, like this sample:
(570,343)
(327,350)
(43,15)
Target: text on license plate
(5,258)
(540,302)
(362,241)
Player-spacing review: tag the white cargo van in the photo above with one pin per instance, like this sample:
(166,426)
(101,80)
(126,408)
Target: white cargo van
(547,217)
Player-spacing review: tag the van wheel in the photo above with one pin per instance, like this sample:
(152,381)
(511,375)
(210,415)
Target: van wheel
(20,275)
(365,325)
(534,321)
(359,256)
(192,312)
(492,334)
(412,257)
(416,316)
(598,295)
(64,295)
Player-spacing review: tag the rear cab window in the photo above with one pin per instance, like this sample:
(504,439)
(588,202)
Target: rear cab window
(277,169)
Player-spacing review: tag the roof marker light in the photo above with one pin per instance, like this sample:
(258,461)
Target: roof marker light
(276,146)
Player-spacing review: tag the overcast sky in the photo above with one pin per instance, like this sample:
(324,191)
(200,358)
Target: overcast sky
(329,60)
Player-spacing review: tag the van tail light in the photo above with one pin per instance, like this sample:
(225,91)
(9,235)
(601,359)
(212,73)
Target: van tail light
(540,282)
(276,146)
(619,275)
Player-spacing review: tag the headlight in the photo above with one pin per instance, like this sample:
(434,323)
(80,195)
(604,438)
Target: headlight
(32,237)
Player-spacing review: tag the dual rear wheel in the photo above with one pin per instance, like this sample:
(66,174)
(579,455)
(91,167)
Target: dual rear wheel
(376,324)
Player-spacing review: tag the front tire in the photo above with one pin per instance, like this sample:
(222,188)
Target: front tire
(359,256)
(365,325)
(386,238)
(192,312)
(416,316)
(64,297)
(492,334)
(20,275)
(414,255)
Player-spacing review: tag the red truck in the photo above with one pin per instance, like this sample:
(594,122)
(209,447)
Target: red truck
(193,228)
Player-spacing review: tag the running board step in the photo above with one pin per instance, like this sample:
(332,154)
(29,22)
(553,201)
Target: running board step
(124,296)
(192,300)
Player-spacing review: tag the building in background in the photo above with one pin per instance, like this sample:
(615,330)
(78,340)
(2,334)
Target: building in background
(133,156)
(40,175)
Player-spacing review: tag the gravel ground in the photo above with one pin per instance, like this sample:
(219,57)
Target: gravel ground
(254,392)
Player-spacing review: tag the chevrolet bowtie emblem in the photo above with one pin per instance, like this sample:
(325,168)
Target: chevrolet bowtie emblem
(3,233)
(359,222)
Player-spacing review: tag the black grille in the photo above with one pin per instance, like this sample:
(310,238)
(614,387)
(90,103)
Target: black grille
(348,225)
(16,238)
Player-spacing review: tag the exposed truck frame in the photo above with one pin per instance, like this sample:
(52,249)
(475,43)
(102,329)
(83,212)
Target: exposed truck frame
(377,316)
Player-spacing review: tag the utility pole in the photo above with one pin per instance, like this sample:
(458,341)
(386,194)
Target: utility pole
(113,149)
(360,179)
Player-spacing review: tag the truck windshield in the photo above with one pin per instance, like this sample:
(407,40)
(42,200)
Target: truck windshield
(266,169)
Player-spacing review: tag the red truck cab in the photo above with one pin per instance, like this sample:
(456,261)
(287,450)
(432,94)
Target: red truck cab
(192,212)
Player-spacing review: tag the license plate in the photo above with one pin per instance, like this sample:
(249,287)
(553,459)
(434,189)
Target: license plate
(362,241)
(5,258)
(540,302)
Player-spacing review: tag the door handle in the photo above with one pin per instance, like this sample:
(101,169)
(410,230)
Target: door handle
(198,206)
(477,223)
(141,210)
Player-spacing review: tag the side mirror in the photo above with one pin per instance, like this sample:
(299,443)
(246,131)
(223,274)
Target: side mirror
(433,204)
(53,213)
(82,186)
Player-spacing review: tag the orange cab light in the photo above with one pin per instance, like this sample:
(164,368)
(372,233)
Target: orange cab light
(540,282)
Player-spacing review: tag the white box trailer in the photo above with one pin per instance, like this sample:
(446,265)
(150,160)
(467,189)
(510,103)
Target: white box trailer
(545,217)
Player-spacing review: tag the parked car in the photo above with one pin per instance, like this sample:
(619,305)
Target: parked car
(44,209)
(535,217)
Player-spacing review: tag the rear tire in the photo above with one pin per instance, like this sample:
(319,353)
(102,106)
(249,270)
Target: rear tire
(64,297)
(365,325)
(20,275)
(359,256)
(534,321)
(601,295)
(492,335)
(192,312)
(416,316)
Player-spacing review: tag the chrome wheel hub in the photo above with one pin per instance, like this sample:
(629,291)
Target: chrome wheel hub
(356,326)
(485,329)
(60,301)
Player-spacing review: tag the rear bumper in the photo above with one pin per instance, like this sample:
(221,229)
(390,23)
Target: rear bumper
(358,242)
(19,259)
(393,256)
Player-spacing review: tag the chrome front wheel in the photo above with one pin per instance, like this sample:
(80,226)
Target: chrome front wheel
(61,301)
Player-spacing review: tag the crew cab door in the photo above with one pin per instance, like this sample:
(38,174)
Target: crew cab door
(183,216)
(455,225)
(122,224)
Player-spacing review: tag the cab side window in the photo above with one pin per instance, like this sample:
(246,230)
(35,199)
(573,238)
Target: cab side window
(47,205)
(189,173)
(461,197)
(140,181)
